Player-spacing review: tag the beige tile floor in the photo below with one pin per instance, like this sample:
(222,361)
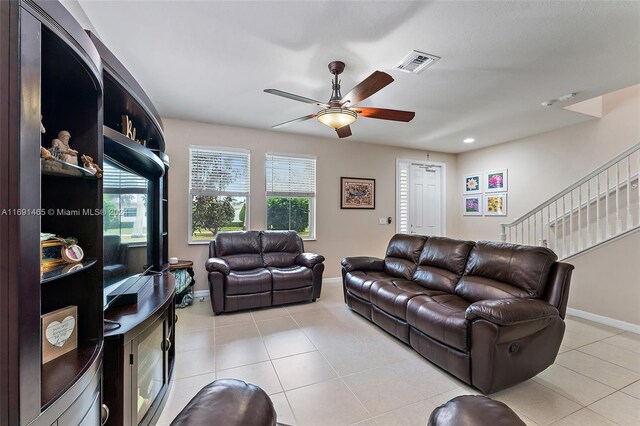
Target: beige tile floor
(325,365)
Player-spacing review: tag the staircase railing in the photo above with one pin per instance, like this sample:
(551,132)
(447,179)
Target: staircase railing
(599,207)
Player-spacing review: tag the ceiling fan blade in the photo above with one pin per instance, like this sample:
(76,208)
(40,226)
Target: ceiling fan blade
(367,87)
(295,97)
(295,120)
(385,114)
(344,132)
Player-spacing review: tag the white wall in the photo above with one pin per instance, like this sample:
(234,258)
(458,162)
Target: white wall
(339,233)
(540,166)
(605,281)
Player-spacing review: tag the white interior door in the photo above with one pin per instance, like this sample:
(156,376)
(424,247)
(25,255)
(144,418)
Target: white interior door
(425,199)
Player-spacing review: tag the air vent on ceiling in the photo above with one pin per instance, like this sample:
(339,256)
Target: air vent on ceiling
(416,62)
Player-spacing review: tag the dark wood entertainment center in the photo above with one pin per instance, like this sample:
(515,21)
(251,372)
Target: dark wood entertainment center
(52,71)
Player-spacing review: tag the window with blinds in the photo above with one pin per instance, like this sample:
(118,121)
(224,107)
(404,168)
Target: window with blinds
(219,182)
(402,213)
(291,193)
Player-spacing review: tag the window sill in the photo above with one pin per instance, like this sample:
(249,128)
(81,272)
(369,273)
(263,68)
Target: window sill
(197,243)
(309,239)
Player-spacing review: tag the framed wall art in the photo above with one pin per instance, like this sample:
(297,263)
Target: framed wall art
(472,205)
(496,181)
(495,204)
(472,184)
(357,193)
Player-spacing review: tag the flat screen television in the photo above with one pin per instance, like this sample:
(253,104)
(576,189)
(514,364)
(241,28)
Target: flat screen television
(126,203)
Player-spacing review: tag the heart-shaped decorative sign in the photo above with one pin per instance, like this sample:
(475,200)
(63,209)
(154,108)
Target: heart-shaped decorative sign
(59,332)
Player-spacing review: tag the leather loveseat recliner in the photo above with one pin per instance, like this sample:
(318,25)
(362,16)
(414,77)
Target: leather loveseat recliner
(253,269)
(491,314)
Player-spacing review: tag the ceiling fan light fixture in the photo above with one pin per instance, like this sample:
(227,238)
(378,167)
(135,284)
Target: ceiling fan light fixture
(336,117)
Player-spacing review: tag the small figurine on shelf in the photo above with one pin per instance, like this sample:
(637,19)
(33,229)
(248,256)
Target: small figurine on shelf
(61,149)
(88,163)
(45,154)
(42,129)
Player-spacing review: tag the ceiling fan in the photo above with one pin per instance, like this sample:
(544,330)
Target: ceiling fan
(340,111)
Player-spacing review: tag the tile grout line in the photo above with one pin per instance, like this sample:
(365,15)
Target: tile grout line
(274,367)
(337,374)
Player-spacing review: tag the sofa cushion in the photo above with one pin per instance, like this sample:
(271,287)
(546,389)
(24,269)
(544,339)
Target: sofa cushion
(291,277)
(440,317)
(359,282)
(248,281)
(402,255)
(392,296)
(500,270)
(240,249)
(442,262)
(280,248)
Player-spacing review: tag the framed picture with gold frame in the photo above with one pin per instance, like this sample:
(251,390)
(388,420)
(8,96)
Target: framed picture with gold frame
(51,254)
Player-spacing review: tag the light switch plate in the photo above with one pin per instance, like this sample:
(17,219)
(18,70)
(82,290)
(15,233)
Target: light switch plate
(382,221)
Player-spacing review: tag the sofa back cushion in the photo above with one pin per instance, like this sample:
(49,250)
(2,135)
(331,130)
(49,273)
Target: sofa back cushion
(441,263)
(240,249)
(402,255)
(500,271)
(280,248)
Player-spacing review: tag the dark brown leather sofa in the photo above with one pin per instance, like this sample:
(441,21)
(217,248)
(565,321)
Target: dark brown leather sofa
(491,314)
(253,269)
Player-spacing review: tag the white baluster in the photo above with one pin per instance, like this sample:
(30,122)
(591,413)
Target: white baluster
(607,229)
(549,225)
(598,232)
(571,251)
(629,217)
(579,246)
(588,244)
(556,245)
(618,220)
(564,229)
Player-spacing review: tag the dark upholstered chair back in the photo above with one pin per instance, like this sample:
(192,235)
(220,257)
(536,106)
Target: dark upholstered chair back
(280,248)
(442,262)
(240,249)
(111,248)
(402,255)
(501,270)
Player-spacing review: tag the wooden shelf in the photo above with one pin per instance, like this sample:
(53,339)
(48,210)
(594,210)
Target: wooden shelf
(131,154)
(54,167)
(61,373)
(66,270)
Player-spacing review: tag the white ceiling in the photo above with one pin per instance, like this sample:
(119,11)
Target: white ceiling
(210,61)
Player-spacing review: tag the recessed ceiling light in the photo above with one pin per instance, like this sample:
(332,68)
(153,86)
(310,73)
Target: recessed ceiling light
(469,140)
(566,97)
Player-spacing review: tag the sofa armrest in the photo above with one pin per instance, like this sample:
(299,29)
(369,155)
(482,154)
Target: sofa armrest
(309,259)
(510,311)
(216,264)
(362,263)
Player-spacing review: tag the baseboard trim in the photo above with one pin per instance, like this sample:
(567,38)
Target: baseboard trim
(201,293)
(205,293)
(601,319)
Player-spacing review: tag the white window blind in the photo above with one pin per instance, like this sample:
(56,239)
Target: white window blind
(218,172)
(403,197)
(120,181)
(289,176)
